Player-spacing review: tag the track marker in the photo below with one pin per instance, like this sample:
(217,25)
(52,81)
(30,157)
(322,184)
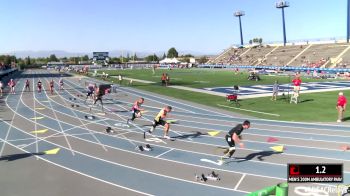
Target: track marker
(45,101)
(37,118)
(155,139)
(213,133)
(345,147)
(271,139)
(40,131)
(52,151)
(39,108)
(277,148)
(101,114)
(219,162)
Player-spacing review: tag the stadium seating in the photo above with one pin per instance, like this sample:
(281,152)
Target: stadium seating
(312,55)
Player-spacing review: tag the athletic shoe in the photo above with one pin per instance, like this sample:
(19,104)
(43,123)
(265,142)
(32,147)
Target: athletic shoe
(127,121)
(151,130)
(338,121)
(166,137)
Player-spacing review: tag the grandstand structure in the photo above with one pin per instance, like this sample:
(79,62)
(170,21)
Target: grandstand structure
(315,55)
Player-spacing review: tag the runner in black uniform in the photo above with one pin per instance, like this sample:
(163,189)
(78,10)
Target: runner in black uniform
(39,85)
(27,85)
(234,135)
(98,96)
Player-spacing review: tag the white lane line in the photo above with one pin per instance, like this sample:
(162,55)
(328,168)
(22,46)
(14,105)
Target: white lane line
(132,168)
(13,117)
(253,149)
(35,123)
(25,139)
(258,150)
(78,172)
(263,135)
(219,163)
(164,153)
(149,120)
(267,162)
(162,147)
(248,110)
(152,96)
(267,120)
(239,182)
(59,124)
(81,122)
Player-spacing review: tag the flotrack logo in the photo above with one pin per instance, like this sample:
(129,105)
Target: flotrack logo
(340,190)
(310,191)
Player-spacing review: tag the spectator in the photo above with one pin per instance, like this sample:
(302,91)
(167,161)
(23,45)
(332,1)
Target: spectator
(167,79)
(163,78)
(275,91)
(341,106)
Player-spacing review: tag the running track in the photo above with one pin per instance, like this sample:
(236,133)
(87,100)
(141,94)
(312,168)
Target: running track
(91,162)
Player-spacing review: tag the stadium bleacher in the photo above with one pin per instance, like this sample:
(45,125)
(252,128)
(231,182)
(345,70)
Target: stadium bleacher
(326,55)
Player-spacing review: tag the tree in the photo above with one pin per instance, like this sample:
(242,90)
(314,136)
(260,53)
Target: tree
(203,60)
(172,53)
(28,62)
(187,55)
(134,58)
(152,58)
(85,58)
(53,58)
(260,40)
(250,41)
(164,56)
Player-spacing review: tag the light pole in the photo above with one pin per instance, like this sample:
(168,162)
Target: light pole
(282,5)
(347,23)
(239,14)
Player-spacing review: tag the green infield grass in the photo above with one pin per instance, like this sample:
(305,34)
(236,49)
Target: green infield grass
(312,107)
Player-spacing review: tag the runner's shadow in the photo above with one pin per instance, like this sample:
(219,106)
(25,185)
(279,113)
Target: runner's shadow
(192,135)
(14,157)
(306,100)
(346,118)
(260,156)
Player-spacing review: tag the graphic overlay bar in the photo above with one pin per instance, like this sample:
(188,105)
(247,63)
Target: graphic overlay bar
(321,172)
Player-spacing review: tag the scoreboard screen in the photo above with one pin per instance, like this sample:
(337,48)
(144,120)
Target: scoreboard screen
(100,55)
(322,172)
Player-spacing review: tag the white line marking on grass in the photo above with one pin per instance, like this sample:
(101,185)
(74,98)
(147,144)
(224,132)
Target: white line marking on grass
(248,110)
(164,153)
(239,182)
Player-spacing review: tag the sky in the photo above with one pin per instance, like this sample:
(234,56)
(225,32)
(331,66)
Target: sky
(204,26)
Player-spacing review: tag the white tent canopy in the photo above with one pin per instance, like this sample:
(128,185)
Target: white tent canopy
(169,60)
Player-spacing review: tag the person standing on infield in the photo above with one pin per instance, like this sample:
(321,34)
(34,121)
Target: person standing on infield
(341,106)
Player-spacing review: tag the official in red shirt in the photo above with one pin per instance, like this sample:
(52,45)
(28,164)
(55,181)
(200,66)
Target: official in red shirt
(341,105)
(297,83)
